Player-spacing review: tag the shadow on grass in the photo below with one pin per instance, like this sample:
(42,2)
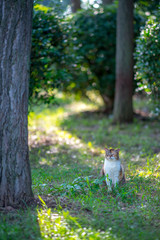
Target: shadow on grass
(55,103)
(95,127)
(19,224)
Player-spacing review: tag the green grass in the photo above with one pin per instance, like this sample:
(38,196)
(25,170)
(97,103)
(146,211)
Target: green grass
(66,152)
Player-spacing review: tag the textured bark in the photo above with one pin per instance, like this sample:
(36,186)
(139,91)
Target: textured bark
(75,5)
(15,43)
(107,1)
(123,110)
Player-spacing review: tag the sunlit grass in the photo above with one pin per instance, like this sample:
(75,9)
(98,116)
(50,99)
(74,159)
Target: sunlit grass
(66,153)
(61,225)
(77,156)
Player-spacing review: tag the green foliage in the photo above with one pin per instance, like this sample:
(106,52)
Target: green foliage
(93,39)
(46,53)
(92,43)
(74,53)
(148,6)
(57,5)
(148,59)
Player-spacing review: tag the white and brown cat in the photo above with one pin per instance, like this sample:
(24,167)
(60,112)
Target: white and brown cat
(112,168)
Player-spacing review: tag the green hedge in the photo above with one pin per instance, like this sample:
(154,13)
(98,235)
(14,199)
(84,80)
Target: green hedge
(148,59)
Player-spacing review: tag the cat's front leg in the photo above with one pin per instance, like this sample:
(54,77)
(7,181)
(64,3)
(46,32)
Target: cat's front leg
(115,181)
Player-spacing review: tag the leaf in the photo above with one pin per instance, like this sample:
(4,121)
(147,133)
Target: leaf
(43,203)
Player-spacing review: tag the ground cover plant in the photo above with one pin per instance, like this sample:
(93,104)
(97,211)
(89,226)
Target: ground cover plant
(66,153)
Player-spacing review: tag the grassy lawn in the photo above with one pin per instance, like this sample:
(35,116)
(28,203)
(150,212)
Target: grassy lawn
(66,152)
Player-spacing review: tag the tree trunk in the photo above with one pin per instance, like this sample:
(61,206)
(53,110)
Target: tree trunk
(15,39)
(75,5)
(123,110)
(105,2)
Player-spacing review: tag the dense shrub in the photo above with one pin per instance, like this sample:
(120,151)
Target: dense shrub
(148,58)
(93,43)
(92,46)
(76,53)
(47,53)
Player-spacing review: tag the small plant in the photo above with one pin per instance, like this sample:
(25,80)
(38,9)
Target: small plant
(81,185)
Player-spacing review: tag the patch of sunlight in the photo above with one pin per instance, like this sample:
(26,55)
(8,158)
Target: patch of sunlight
(145,174)
(78,107)
(157,174)
(149,170)
(44,161)
(68,138)
(47,120)
(74,142)
(39,7)
(95,97)
(89,144)
(95,150)
(61,225)
(102,151)
(44,127)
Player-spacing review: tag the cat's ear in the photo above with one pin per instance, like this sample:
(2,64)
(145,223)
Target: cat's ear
(107,150)
(117,152)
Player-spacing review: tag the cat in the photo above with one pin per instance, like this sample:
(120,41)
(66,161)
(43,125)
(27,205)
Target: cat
(112,168)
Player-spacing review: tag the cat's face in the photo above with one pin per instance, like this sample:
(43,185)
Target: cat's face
(112,154)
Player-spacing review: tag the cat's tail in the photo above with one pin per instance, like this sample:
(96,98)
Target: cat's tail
(122,177)
(102,171)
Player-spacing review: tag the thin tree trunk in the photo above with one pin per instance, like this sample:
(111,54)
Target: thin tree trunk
(15,44)
(75,5)
(123,110)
